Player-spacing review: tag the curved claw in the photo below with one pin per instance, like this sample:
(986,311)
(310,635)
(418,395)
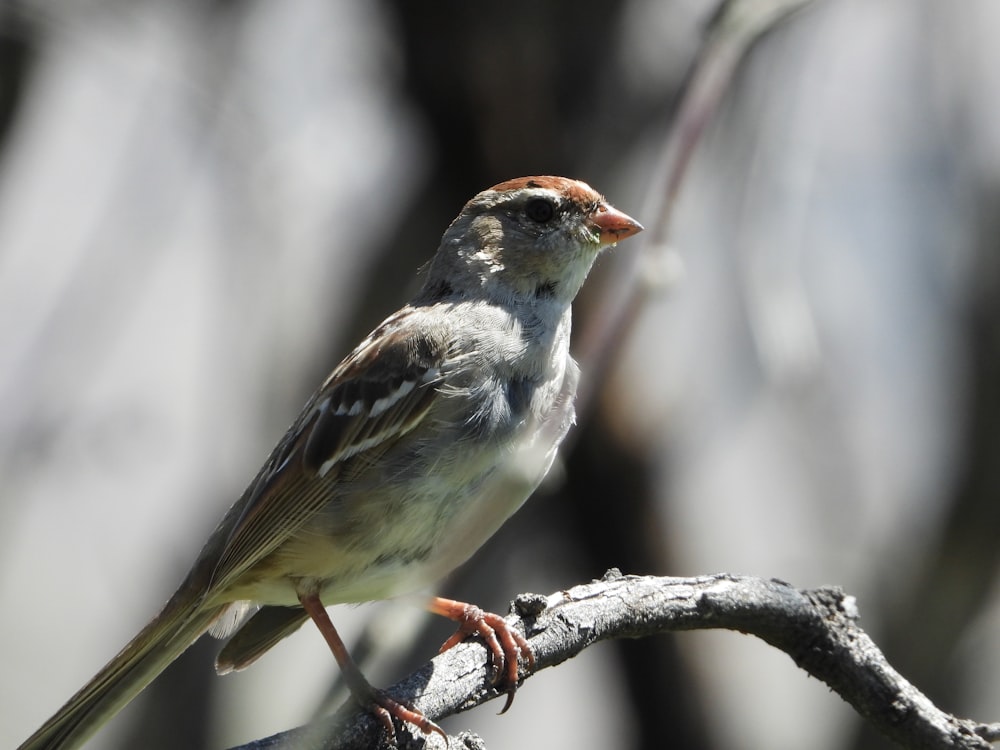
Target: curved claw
(385,707)
(504,643)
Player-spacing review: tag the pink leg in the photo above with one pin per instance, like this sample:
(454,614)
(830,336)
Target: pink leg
(374,700)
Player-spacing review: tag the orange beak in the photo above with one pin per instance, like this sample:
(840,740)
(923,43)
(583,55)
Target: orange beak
(613,225)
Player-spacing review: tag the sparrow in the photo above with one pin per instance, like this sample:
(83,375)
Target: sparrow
(411,454)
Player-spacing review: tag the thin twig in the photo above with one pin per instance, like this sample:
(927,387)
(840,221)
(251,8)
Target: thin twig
(737,25)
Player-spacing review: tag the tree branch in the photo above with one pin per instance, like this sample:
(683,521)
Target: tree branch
(817,628)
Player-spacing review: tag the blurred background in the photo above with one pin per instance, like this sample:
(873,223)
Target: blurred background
(203,205)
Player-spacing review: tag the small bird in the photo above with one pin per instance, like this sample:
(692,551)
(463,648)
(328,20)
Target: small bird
(411,454)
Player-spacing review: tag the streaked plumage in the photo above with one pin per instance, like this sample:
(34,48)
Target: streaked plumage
(419,445)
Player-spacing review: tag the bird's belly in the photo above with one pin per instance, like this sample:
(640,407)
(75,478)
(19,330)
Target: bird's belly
(404,537)
(425,512)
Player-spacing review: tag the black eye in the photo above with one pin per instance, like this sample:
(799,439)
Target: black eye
(540,210)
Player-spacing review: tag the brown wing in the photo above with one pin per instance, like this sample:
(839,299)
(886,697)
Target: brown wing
(374,397)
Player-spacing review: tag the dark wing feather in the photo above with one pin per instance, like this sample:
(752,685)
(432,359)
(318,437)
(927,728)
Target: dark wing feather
(374,397)
(268,626)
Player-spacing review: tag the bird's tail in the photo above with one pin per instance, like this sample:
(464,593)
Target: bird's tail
(170,633)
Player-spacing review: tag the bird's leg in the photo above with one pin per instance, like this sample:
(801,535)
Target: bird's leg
(504,643)
(376,701)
